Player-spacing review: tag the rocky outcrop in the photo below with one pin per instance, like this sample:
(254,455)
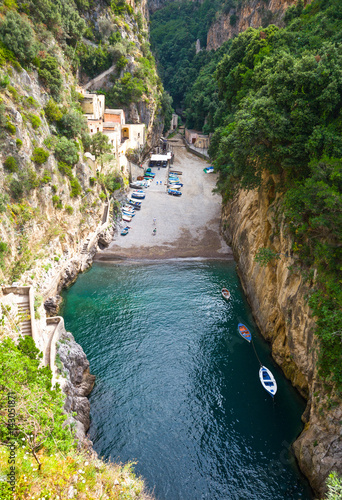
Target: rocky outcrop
(77,384)
(277,295)
(254,13)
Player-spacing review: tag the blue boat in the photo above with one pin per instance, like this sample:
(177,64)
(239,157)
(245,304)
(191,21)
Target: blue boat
(174,192)
(244,332)
(135,204)
(124,232)
(267,380)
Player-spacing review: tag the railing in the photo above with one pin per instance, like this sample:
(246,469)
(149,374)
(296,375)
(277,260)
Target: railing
(52,346)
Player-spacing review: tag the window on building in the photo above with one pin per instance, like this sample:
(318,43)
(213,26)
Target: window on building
(138,135)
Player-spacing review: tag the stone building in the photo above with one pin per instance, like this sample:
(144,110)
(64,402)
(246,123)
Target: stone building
(112,123)
(197,139)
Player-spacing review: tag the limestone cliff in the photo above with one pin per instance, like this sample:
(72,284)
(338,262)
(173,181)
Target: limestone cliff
(133,30)
(77,384)
(277,294)
(252,13)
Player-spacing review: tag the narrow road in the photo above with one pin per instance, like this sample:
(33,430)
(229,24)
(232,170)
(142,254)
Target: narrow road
(187,226)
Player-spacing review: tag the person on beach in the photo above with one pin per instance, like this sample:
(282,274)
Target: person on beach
(154,221)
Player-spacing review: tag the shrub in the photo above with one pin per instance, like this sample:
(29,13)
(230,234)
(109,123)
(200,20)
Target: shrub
(52,111)
(92,180)
(50,141)
(46,177)
(40,155)
(69,209)
(65,169)
(265,255)
(4,199)
(57,202)
(11,164)
(13,92)
(102,196)
(4,250)
(35,120)
(66,151)
(16,189)
(16,33)
(94,60)
(50,74)
(121,63)
(10,127)
(76,188)
(19,143)
(31,102)
(73,124)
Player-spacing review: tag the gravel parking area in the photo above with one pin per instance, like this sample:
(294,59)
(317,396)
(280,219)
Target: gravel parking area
(187,226)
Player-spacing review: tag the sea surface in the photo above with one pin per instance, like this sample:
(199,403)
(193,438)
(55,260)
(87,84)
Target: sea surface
(177,389)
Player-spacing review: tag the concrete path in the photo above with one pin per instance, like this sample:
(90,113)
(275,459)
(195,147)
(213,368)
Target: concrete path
(187,226)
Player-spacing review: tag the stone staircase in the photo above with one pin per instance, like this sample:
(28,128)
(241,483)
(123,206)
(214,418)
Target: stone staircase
(85,247)
(24,315)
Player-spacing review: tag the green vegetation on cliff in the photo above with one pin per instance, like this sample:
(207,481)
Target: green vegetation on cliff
(273,100)
(47,463)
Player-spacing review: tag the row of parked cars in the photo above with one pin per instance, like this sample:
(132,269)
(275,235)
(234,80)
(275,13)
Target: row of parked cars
(158,164)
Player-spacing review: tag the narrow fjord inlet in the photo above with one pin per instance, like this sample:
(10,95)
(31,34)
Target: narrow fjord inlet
(177,388)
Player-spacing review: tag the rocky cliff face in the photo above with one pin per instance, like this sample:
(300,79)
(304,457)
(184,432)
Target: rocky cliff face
(77,384)
(277,295)
(253,13)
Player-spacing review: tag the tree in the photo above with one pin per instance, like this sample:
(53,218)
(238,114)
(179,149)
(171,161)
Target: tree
(16,33)
(166,106)
(99,144)
(73,124)
(67,151)
(50,74)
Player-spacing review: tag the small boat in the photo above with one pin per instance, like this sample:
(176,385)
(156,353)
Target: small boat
(225,293)
(174,192)
(135,204)
(175,186)
(128,208)
(127,227)
(267,380)
(208,170)
(138,195)
(130,214)
(124,232)
(126,218)
(178,172)
(140,178)
(244,332)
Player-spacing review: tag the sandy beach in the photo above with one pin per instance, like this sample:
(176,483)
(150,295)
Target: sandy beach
(187,226)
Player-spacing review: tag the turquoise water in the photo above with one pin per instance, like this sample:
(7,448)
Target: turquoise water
(177,389)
